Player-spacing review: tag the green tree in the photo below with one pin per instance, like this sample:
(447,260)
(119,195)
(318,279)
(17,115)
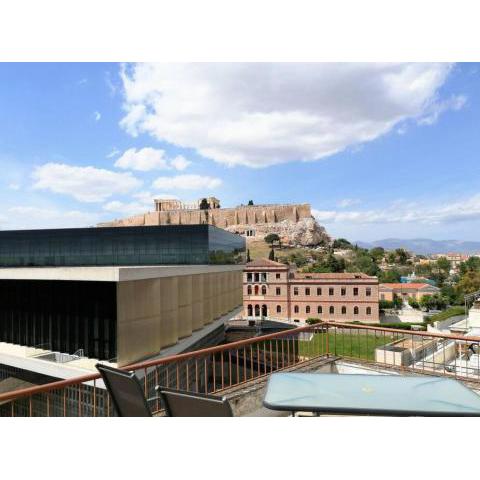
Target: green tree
(250,202)
(429,302)
(377,253)
(391,257)
(444,265)
(470,265)
(363,262)
(413,302)
(451,294)
(389,276)
(402,256)
(271,255)
(469,282)
(342,243)
(385,304)
(248,255)
(397,302)
(271,238)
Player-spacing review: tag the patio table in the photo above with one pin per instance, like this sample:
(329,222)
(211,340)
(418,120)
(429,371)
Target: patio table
(358,394)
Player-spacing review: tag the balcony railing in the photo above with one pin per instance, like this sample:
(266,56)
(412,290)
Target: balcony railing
(217,368)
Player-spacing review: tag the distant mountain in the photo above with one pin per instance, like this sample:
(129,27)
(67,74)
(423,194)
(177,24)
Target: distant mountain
(424,246)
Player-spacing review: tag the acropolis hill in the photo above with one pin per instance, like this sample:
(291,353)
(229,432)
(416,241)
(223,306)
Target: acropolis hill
(294,223)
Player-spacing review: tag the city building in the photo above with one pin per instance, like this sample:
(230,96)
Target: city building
(388,291)
(455,260)
(273,290)
(72,297)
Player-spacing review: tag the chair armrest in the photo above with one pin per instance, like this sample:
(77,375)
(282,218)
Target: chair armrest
(151,399)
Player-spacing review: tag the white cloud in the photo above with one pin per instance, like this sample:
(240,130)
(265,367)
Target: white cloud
(348,202)
(14,186)
(113,153)
(269,113)
(406,212)
(455,103)
(111,84)
(146,159)
(25,217)
(126,208)
(187,182)
(97,116)
(86,184)
(180,163)
(143,203)
(147,197)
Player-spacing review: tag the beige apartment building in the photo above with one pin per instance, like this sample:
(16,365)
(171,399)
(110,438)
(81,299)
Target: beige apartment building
(406,290)
(273,290)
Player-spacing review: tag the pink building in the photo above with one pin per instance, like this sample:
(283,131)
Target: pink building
(273,290)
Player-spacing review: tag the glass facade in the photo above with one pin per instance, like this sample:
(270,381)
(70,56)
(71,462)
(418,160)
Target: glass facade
(61,316)
(153,245)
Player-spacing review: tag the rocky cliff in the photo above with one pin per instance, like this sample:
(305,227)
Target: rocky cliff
(305,232)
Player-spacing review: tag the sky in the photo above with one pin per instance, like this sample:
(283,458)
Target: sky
(378,150)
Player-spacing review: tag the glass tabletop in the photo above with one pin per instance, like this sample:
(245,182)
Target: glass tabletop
(370,394)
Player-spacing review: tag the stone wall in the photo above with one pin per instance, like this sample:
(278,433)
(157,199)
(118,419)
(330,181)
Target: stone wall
(220,217)
(293,223)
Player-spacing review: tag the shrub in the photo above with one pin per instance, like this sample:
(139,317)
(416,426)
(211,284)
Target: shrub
(312,321)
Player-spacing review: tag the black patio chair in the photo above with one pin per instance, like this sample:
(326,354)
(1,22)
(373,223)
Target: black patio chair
(179,403)
(126,392)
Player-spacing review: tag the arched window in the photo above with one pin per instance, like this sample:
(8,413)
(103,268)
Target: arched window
(257,310)
(319,309)
(331,310)
(307,309)
(249,290)
(344,310)
(264,311)
(250,310)
(279,309)
(256,289)
(295,309)
(264,290)
(369,310)
(355,310)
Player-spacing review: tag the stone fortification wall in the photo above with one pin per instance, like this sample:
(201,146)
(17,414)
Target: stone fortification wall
(293,223)
(220,217)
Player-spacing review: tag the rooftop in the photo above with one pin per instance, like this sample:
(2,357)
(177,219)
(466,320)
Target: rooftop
(110,274)
(265,263)
(407,286)
(338,275)
(240,370)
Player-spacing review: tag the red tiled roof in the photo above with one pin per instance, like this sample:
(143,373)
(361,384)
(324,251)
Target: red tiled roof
(328,275)
(414,286)
(265,263)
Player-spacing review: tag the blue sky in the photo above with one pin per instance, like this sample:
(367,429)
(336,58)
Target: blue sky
(377,150)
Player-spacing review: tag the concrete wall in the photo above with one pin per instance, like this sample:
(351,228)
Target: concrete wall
(155,313)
